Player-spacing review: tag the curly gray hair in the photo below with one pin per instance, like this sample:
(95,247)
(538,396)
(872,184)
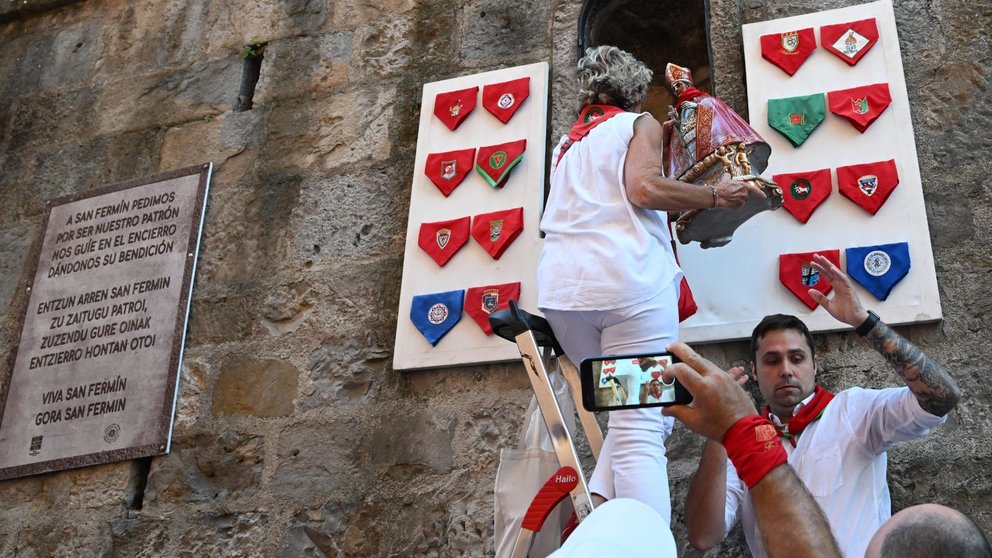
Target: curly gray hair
(610,76)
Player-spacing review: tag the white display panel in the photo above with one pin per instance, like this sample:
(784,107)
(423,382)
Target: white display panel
(472,266)
(735,286)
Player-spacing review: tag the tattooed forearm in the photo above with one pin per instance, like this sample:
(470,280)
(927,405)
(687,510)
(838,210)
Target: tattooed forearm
(934,388)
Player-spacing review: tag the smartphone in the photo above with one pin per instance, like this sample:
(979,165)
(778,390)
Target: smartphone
(614,382)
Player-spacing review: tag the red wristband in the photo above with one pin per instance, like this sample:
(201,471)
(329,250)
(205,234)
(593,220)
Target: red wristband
(753,447)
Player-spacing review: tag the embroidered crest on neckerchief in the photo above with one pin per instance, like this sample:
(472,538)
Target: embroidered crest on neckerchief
(505,101)
(497,159)
(490,300)
(449,169)
(790,41)
(807,190)
(495,228)
(810,276)
(437,314)
(860,106)
(868,184)
(443,236)
(443,239)
(877,263)
(800,188)
(850,43)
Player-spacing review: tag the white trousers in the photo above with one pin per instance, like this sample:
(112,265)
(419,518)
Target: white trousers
(632,463)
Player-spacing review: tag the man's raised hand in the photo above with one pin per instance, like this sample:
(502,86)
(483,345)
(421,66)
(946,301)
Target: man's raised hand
(845,306)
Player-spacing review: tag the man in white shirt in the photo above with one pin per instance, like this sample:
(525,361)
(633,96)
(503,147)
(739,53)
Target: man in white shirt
(720,410)
(836,444)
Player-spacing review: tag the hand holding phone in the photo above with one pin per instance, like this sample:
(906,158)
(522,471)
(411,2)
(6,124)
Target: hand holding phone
(630,382)
(719,401)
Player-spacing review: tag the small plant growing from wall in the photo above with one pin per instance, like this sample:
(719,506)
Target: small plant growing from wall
(252,55)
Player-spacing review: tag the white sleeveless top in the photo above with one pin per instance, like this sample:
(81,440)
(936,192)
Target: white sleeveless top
(600,251)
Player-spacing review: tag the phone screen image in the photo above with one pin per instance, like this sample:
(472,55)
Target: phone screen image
(630,382)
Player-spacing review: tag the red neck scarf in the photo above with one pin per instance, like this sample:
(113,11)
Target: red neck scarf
(809,413)
(589,117)
(686,95)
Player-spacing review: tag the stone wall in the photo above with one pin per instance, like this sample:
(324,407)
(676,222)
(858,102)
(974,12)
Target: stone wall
(294,437)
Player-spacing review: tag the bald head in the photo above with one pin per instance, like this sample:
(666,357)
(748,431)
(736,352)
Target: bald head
(928,530)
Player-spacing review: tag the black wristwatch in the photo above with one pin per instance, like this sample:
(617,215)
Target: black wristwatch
(868,324)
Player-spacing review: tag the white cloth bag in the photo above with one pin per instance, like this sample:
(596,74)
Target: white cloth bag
(523,471)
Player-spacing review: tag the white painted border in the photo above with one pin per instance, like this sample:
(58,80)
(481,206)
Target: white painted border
(472,266)
(737,285)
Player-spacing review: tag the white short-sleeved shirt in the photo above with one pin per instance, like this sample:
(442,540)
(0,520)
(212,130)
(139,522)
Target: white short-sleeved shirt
(600,251)
(841,458)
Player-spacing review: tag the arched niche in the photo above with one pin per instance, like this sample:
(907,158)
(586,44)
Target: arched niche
(657,32)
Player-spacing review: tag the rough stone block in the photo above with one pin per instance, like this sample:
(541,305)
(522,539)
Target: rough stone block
(302,65)
(169,98)
(502,30)
(47,118)
(219,319)
(317,461)
(72,55)
(23,497)
(189,536)
(207,467)
(384,47)
(38,175)
(246,233)
(89,488)
(255,387)
(208,140)
(419,438)
(319,532)
(264,21)
(15,245)
(339,131)
(354,14)
(343,371)
(286,307)
(193,396)
(360,302)
(354,214)
(54,539)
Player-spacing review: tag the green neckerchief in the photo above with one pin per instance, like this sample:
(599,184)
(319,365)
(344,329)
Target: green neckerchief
(796,117)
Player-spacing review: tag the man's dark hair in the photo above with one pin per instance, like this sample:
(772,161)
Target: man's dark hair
(936,535)
(779,322)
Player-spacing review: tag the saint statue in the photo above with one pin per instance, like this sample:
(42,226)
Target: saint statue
(704,138)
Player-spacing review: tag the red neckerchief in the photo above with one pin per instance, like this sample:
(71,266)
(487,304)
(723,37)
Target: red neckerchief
(589,117)
(809,413)
(686,95)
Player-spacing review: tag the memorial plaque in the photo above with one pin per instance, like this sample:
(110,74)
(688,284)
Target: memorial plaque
(96,372)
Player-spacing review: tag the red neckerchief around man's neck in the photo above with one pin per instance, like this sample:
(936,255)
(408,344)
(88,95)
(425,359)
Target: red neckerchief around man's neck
(686,95)
(809,413)
(589,117)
